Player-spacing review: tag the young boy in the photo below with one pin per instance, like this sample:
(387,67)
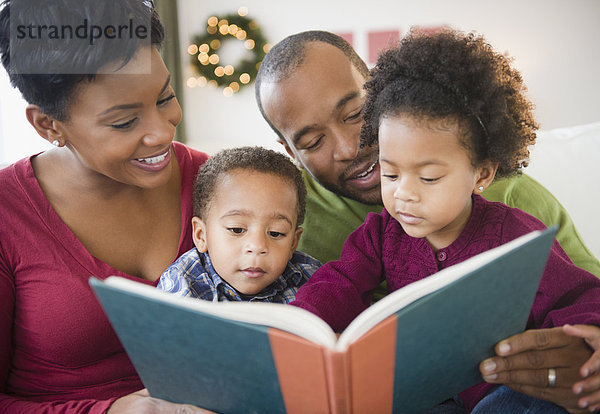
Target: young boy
(248,205)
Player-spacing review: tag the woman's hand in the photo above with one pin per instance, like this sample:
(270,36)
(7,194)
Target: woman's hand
(590,370)
(527,362)
(142,402)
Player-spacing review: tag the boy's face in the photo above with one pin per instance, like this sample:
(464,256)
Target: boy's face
(427,177)
(250,229)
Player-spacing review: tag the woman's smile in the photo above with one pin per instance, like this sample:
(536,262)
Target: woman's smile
(156,163)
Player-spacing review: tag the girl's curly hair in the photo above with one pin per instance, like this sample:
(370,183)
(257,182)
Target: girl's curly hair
(452,74)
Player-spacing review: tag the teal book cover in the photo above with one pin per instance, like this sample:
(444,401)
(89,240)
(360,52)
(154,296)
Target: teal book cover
(442,337)
(191,357)
(409,351)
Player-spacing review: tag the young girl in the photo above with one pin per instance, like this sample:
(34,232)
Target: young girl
(449,115)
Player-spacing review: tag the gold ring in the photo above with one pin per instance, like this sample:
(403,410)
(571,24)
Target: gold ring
(551,377)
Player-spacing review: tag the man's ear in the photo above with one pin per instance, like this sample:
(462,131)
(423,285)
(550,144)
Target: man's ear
(487,173)
(199,234)
(46,126)
(291,153)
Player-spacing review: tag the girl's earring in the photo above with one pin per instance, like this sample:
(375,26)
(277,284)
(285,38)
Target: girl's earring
(480,188)
(56,143)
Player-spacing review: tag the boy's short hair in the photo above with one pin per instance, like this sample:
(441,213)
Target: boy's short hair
(247,158)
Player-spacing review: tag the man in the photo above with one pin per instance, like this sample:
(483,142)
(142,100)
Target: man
(310,91)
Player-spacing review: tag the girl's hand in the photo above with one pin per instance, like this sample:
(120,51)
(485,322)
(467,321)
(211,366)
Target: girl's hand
(142,402)
(523,362)
(590,370)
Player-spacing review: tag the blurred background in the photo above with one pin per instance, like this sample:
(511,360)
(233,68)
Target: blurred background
(554,44)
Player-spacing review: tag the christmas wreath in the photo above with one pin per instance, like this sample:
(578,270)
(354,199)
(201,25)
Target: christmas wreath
(205,52)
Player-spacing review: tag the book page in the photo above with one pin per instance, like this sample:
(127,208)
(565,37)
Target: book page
(287,318)
(401,298)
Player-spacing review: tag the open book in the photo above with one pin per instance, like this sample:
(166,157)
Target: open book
(414,348)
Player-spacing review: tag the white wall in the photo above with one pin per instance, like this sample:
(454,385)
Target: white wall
(17,138)
(553,42)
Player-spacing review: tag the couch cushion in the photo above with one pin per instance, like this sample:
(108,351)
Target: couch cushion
(567,162)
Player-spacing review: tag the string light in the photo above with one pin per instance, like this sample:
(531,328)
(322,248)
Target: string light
(219,71)
(192,49)
(212,21)
(244,78)
(206,59)
(192,82)
(203,58)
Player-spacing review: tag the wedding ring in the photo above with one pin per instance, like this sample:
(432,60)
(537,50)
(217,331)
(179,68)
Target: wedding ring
(551,377)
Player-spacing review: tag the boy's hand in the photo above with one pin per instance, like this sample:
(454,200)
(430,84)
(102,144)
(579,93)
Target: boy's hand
(524,360)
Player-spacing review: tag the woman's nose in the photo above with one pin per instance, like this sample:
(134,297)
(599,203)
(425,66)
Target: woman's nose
(160,128)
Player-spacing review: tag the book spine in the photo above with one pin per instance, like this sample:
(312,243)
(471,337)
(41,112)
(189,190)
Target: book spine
(338,381)
(302,373)
(372,360)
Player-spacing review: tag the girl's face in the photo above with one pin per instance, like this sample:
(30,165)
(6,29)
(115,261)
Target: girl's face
(121,124)
(427,177)
(250,230)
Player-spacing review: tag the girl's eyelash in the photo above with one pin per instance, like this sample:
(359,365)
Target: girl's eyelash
(430,180)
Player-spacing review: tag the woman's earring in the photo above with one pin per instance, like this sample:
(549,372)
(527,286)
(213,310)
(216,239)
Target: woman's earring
(480,188)
(56,143)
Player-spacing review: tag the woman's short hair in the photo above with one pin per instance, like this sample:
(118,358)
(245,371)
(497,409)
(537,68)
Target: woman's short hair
(22,22)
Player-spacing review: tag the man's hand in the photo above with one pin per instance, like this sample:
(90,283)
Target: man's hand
(590,370)
(523,362)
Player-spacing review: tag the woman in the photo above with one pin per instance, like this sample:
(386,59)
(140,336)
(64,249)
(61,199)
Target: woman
(113,197)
